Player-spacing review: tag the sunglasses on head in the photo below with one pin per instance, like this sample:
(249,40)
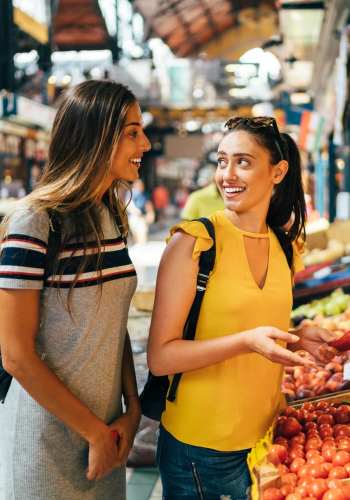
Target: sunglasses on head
(258,122)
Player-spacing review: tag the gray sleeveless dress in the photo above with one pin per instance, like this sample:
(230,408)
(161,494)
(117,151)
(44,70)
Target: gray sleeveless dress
(41,458)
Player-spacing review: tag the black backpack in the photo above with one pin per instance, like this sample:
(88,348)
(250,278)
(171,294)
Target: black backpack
(156,390)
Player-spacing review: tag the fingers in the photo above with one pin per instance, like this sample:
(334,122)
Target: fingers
(288,358)
(290,338)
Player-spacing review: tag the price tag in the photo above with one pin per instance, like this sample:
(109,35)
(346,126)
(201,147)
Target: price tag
(346,371)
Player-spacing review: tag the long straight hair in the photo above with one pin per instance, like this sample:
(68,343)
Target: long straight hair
(86,129)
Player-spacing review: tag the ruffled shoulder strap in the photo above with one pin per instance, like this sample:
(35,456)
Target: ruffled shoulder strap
(198,230)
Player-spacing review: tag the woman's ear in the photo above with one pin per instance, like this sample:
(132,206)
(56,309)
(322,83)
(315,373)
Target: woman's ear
(280,171)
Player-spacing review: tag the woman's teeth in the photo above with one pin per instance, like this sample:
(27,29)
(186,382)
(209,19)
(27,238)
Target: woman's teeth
(232,190)
(136,161)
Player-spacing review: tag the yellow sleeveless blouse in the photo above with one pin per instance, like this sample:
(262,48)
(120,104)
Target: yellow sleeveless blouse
(230,405)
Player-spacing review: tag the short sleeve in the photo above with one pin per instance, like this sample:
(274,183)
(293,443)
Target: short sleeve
(298,250)
(23,250)
(198,230)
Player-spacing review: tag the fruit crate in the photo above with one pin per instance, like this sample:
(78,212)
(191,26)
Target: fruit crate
(265,475)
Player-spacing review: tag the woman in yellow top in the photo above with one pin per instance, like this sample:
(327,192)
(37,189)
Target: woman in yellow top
(230,389)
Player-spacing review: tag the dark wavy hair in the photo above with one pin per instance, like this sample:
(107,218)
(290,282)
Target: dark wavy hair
(287,205)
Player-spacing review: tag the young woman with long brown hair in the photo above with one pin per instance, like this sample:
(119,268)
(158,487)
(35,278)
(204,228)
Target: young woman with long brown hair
(230,390)
(63,334)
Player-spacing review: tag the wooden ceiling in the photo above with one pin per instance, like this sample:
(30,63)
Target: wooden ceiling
(187,26)
(79,25)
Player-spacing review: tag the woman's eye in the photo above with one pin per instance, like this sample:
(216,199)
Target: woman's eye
(242,162)
(221,162)
(133,134)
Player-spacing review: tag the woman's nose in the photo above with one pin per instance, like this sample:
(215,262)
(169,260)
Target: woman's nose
(146,143)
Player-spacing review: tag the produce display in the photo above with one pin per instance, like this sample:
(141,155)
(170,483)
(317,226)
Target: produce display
(332,313)
(334,250)
(311,453)
(301,382)
(335,304)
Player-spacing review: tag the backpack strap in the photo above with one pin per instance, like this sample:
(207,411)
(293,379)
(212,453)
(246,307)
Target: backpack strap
(206,264)
(53,244)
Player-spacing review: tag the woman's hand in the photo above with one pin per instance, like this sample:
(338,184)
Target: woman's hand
(262,340)
(126,427)
(103,454)
(313,339)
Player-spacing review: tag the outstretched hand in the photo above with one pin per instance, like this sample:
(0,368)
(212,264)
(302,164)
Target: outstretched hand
(314,340)
(262,340)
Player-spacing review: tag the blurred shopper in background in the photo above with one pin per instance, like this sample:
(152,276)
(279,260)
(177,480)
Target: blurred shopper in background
(63,334)
(141,212)
(161,200)
(230,390)
(206,200)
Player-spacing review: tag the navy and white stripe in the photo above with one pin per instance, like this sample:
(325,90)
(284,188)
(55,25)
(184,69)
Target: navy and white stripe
(23,258)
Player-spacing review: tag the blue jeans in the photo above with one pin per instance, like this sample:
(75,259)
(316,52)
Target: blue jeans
(196,473)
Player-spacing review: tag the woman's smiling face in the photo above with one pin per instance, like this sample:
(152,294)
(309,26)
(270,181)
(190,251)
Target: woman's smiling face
(245,176)
(133,143)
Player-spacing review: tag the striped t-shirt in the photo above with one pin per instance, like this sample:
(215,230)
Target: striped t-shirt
(23,261)
(83,346)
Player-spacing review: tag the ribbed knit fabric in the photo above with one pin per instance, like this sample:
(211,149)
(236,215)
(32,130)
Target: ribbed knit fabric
(41,458)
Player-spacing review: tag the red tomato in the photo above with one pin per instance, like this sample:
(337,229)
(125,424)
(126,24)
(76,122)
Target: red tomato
(310,426)
(289,478)
(334,483)
(343,443)
(337,473)
(301,490)
(342,415)
(325,419)
(335,494)
(308,406)
(317,488)
(282,469)
(313,444)
(341,458)
(328,453)
(290,427)
(272,494)
(298,439)
(282,441)
(287,489)
(343,431)
(304,471)
(318,471)
(327,466)
(290,412)
(294,496)
(296,464)
(277,454)
(322,405)
(312,453)
(347,468)
(295,453)
(317,459)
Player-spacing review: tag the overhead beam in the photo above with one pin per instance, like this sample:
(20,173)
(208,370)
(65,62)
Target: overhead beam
(232,43)
(31,26)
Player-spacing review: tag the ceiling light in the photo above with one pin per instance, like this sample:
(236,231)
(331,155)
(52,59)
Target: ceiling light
(298,98)
(239,93)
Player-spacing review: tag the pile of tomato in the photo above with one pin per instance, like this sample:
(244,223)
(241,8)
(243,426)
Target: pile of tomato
(311,450)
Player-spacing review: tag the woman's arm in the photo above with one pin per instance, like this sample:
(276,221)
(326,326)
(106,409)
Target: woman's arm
(126,425)
(130,393)
(168,353)
(19,320)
